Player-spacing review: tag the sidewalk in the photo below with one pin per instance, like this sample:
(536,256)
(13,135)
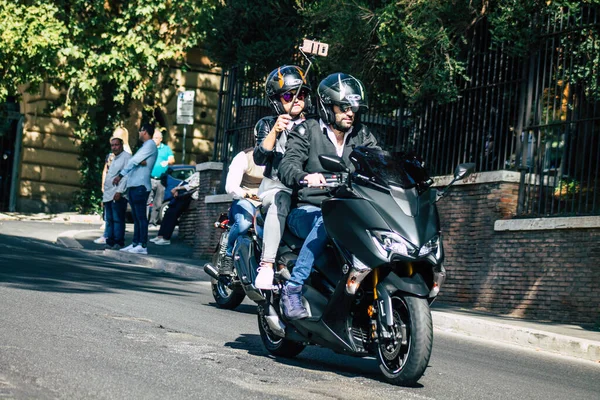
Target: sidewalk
(177,258)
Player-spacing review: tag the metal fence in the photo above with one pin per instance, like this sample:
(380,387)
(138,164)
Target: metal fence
(561,133)
(532,115)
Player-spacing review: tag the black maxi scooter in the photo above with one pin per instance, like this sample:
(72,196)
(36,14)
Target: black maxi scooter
(369,294)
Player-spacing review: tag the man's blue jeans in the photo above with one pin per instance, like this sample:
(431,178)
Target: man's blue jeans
(138,198)
(241,213)
(114,215)
(306,222)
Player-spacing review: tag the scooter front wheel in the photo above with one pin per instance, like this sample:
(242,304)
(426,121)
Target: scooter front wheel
(404,357)
(274,344)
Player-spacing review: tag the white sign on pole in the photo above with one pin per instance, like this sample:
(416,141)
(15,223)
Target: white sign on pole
(185,107)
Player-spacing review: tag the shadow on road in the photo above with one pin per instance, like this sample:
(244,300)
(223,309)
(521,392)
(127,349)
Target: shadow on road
(33,264)
(315,359)
(242,308)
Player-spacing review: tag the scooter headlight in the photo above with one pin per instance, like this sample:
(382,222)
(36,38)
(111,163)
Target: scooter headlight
(430,247)
(389,243)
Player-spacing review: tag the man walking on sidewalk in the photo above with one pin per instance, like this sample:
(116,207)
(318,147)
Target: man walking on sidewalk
(164,158)
(113,197)
(137,172)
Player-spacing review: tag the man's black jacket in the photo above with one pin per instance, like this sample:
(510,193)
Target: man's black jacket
(304,145)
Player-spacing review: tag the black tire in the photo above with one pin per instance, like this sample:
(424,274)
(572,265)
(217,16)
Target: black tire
(405,364)
(226,296)
(274,344)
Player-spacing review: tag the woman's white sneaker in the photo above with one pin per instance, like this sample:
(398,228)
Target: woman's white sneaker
(264,279)
(162,242)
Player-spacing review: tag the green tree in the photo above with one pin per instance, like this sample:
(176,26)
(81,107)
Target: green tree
(103,54)
(261,35)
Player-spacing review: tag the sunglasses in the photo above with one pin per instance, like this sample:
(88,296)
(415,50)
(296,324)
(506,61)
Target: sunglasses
(345,107)
(288,96)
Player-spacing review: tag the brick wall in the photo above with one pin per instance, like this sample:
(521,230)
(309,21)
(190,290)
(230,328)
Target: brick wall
(196,224)
(541,274)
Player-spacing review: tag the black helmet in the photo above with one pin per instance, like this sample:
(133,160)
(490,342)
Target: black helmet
(341,90)
(283,79)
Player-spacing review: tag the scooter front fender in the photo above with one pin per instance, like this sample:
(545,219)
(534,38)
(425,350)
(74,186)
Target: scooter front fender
(414,285)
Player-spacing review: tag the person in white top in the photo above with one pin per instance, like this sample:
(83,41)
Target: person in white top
(243,180)
(289,96)
(115,204)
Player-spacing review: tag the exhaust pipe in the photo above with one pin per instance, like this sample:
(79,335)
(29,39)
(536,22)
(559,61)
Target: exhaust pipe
(211,271)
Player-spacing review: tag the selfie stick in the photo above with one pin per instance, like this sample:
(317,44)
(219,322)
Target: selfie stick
(314,48)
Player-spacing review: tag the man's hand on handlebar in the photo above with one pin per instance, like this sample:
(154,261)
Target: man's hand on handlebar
(314,180)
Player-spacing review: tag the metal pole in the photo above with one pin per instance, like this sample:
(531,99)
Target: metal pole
(183,147)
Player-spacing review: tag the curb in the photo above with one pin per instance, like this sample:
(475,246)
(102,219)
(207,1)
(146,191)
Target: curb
(42,217)
(522,336)
(178,268)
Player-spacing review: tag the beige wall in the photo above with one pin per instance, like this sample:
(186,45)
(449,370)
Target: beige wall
(48,174)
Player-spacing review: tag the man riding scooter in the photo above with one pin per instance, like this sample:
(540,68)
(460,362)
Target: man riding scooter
(341,98)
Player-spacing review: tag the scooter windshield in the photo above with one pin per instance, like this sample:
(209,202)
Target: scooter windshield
(404,170)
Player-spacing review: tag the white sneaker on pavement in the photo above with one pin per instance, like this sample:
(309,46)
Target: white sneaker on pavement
(139,250)
(100,240)
(155,239)
(264,279)
(126,249)
(162,242)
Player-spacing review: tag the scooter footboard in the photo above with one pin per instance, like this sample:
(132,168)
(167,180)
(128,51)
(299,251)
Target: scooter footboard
(245,263)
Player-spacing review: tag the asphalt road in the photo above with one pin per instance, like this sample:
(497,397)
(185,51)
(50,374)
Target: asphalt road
(73,325)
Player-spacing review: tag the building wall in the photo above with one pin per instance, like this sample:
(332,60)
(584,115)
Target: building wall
(49,171)
(48,176)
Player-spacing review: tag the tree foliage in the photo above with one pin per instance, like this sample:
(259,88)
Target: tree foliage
(262,35)
(402,49)
(103,55)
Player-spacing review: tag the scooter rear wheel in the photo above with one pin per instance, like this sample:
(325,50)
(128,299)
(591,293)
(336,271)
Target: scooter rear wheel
(226,294)
(274,344)
(404,364)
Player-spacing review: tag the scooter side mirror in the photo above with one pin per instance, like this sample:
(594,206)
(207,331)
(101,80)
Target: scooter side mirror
(332,163)
(463,170)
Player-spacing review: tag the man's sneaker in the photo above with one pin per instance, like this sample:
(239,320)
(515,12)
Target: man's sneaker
(139,250)
(100,240)
(226,267)
(264,279)
(162,242)
(155,239)
(291,302)
(126,249)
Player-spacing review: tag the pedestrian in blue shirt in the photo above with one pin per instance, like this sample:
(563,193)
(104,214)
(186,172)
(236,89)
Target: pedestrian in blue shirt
(164,158)
(139,186)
